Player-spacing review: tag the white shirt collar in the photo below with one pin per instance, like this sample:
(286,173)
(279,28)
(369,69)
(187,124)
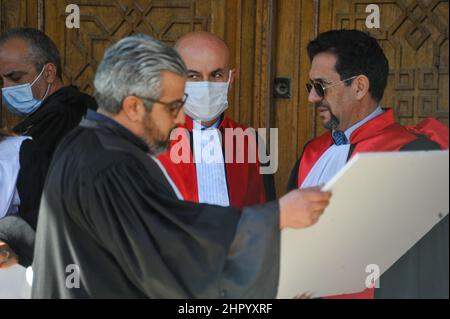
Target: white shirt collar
(199,126)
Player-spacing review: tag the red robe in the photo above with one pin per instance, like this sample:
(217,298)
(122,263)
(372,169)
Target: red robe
(245,184)
(381,134)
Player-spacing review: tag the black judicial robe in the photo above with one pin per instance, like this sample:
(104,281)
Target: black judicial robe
(108,209)
(59,113)
(30,181)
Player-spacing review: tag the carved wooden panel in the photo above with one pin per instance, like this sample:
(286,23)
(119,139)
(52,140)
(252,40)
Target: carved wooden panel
(103,22)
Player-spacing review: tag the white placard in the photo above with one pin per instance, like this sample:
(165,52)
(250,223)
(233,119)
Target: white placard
(382,204)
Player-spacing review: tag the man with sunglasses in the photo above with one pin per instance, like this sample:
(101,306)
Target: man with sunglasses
(212,179)
(348,76)
(113,224)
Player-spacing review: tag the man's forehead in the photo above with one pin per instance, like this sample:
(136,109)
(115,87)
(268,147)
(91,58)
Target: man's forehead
(13,65)
(204,60)
(14,56)
(200,51)
(323,67)
(15,47)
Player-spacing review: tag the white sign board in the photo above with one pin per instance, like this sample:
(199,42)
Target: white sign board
(382,204)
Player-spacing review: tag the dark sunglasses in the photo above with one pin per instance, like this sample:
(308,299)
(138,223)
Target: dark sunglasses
(320,87)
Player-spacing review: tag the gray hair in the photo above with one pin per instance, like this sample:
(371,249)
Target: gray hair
(132,67)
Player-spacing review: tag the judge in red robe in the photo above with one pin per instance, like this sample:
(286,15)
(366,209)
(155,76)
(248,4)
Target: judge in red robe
(245,183)
(347,79)
(232,176)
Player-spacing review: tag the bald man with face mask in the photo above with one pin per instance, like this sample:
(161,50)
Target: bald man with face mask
(204,176)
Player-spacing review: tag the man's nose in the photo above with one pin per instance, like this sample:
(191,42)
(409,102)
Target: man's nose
(7,83)
(313,97)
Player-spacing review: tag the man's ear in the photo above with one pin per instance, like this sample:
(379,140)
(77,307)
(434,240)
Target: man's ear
(131,108)
(50,73)
(362,86)
(232,75)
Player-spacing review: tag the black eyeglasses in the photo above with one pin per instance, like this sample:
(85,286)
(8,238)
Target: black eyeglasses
(320,87)
(174,107)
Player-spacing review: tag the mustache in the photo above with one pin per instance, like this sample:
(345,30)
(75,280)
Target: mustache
(333,122)
(321,105)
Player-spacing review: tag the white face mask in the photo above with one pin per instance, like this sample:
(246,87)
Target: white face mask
(207,100)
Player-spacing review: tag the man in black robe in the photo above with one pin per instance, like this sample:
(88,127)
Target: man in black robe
(32,87)
(28,56)
(112,224)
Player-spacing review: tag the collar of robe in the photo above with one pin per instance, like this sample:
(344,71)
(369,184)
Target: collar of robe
(48,105)
(100,121)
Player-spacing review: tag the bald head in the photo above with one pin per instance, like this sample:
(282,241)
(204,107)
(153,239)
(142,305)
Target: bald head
(197,42)
(206,56)
(201,37)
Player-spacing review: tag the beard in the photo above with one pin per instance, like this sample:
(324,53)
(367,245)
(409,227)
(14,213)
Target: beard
(333,122)
(160,143)
(159,147)
(157,141)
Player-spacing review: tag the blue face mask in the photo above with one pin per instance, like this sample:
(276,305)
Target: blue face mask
(19,98)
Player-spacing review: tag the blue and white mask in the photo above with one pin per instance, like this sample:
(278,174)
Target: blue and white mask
(207,100)
(19,98)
